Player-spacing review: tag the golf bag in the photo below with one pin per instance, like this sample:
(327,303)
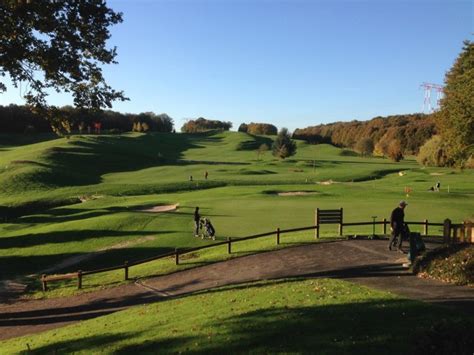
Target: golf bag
(207,229)
(416,246)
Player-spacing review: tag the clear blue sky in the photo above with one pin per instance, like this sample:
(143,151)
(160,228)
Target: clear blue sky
(290,63)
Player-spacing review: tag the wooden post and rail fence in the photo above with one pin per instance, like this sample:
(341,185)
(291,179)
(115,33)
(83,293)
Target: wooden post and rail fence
(452,233)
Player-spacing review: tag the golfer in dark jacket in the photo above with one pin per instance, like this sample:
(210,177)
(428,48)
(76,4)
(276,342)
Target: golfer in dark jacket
(397,223)
(197,217)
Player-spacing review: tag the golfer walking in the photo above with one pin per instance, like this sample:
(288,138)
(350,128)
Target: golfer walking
(197,217)
(397,224)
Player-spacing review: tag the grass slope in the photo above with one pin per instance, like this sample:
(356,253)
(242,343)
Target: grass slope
(42,182)
(304,316)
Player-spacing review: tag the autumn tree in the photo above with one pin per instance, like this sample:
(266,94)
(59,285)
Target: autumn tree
(394,150)
(61,46)
(261,128)
(381,148)
(283,146)
(365,146)
(412,131)
(202,124)
(455,120)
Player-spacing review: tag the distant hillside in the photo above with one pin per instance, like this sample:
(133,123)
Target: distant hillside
(411,132)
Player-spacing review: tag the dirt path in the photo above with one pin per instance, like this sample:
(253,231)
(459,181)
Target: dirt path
(362,261)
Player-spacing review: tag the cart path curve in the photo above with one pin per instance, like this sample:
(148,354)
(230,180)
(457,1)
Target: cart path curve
(366,262)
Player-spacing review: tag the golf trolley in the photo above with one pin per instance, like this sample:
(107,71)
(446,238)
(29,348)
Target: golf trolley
(206,229)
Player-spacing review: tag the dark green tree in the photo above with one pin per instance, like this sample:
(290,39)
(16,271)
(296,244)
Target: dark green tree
(61,46)
(283,147)
(432,153)
(243,128)
(455,120)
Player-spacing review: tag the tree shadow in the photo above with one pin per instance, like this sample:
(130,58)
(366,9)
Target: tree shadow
(254,142)
(29,240)
(79,344)
(83,162)
(13,266)
(355,327)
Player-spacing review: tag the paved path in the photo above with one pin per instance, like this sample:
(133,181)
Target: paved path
(363,261)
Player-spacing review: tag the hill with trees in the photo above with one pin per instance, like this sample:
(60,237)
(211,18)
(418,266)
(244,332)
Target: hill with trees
(20,119)
(202,124)
(391,136)
(258,128)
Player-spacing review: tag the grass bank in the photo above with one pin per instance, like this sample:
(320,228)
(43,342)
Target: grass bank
(304,316)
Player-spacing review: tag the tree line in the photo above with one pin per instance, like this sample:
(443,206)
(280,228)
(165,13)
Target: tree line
(202,124)
(20,119)
(258,128)
(392,136)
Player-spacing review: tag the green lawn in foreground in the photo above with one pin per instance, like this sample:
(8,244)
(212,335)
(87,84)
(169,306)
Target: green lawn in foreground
(135,170)
(313,315)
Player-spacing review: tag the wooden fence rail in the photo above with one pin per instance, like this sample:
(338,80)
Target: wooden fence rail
(448,229)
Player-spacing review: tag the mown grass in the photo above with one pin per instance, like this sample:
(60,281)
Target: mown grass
(285,316)
(38,183)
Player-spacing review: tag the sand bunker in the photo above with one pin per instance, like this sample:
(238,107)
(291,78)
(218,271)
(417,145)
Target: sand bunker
(327,182)
(160,208)
(297,193)
(436,174)
(85,198)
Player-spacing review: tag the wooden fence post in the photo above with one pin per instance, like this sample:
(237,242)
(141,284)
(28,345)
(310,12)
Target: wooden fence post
(316,223)
(341,224)
(425,227)
(79,279)
(463,232)
(229,245)
(44,283)
(278,236)
(384,226)
(447,231)
(176,256)
(125,265)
